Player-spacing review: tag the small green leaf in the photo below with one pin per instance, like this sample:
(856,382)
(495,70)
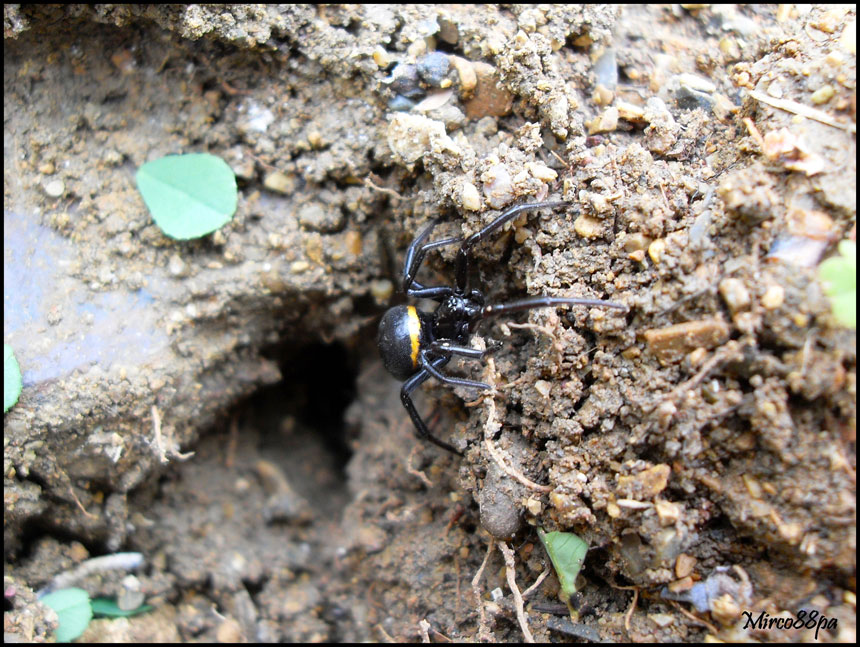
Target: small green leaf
(109,608)
(189,196)
(11,378)
(838,275)
(74,611)
(567,553)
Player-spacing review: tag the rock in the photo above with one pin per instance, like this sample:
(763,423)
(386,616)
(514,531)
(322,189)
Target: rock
(411,136)
(490,99)
(671,343)
(433,69)
(322,218)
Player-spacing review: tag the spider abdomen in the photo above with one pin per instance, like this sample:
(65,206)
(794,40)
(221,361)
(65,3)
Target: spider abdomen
(402,334)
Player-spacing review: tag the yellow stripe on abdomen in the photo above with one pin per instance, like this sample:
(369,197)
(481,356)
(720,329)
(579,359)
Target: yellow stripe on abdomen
(414,333)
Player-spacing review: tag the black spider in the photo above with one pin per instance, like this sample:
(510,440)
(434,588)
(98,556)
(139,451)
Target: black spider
(414,345)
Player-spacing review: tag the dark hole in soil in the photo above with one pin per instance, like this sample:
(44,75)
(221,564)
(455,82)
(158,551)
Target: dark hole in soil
(318,384)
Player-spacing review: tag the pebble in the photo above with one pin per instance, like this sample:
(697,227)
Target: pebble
(662,131)
(490,99)
(177,267)
(672,343)
(381,290)
(434,100)
(667,512)
(822,94)
(630,112)
(588,227)
(411,136)
(401,104)
(636,242)
(229,632)
(404,80)
(448,30)
(299,266)
(656,249)
(797,250)
(280,182)
(690,99)
(315,139)
(322,218)
(696,83)
(662,620)
(602,96)
(470,197)
(735,294)
(468,77)
(773,297)
(607,122)
(130,596)
(498,188)
(381,57)
(606,70)
(54,188)
(433,69)
(645,484)
(541,172)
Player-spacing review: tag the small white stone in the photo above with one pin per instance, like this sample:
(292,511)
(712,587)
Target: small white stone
(470,197)
(55,188)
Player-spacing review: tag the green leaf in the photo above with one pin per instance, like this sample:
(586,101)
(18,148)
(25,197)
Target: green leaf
(838,276)
(11,378)
(567,553)
(109,608)
(74,611)
(189,196)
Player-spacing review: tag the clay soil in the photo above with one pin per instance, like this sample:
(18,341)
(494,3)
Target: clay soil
(219,405)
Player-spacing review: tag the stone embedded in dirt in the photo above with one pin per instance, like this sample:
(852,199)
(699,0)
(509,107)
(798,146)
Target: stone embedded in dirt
(670,344)
(490,98)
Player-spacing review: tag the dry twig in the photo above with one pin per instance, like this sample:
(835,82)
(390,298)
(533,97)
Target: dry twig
(803,110)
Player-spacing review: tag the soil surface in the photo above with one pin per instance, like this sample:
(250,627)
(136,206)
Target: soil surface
(219,406)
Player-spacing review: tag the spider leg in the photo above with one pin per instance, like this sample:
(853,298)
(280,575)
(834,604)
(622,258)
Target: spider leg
(418,291)
(545,302)
(429,365)
(443,347)
(415,254)
(421,429)
(462,266)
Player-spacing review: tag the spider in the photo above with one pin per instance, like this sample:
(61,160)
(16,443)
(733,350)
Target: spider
(415,345)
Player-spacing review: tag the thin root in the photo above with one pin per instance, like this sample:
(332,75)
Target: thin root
(537,583)
(483,630)
(695,618)
(369,183)
(510,569)
(414,472)
(491,426)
